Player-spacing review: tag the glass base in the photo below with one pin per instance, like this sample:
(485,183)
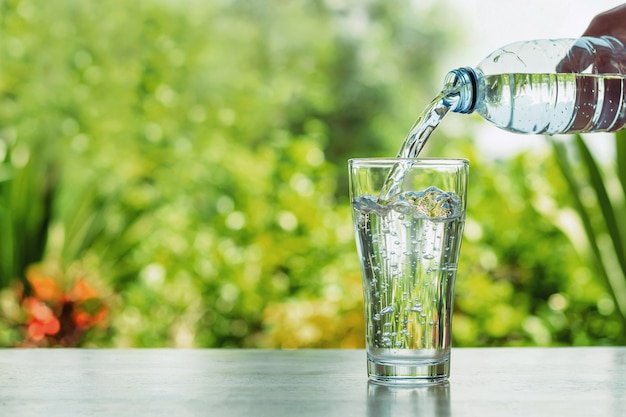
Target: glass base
(408,373)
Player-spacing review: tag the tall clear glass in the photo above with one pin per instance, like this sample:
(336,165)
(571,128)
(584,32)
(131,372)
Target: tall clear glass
(408,245)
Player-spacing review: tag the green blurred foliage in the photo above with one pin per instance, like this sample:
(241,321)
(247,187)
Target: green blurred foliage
(521,281)
(598,190)
(189,160)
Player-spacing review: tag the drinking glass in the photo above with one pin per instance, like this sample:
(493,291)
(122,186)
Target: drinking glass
(408,244)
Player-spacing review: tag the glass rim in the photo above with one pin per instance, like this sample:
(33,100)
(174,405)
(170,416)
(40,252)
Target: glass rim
(385,161)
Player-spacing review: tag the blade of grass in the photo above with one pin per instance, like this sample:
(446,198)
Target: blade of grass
(6,246)
(620,154)
(86,224)
(620,170)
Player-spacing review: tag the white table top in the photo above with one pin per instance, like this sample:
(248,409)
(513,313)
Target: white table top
(528,382)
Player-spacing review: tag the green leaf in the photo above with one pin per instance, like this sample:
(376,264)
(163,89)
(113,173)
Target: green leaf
(596,180)
(567,169)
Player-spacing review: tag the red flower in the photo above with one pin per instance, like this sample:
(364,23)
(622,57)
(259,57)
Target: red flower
(42,321)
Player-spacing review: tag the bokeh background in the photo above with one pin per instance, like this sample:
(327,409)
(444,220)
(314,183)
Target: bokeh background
(174,173)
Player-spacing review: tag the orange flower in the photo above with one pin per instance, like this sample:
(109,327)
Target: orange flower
(89,309)
(82,291)
(44,288)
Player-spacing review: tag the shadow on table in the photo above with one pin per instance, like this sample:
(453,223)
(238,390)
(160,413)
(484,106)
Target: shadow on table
(384,400)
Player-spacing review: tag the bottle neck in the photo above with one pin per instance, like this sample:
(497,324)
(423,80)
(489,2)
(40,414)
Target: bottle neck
(460,89)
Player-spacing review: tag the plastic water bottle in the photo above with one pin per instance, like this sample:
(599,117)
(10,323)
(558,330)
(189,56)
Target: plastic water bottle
(546,86)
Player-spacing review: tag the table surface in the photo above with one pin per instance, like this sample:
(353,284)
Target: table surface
(529,382)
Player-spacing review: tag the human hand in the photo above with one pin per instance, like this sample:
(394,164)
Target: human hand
(610,23)
(605,56)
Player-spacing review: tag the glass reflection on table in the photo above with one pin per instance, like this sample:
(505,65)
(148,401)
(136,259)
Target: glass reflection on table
(414,401)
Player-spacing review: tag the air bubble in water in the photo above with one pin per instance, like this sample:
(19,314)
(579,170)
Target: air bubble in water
(387,310)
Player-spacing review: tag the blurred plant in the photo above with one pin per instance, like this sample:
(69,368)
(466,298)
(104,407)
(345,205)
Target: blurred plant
(191,158)
(520,279)
(201,182)
(50,315)
(27,186)
(598,193)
